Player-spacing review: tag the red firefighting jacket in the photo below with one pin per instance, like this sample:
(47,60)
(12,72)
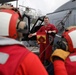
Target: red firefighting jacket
(15,59)
(11,55)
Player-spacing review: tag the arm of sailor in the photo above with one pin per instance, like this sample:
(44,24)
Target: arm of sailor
(30,35)
(59,54)
(54,31)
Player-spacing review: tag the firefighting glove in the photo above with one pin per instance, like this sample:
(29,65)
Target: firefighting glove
(51,33)
(59,54)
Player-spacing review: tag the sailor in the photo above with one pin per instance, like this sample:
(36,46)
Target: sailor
(46,47)
(15,58)
(64,57)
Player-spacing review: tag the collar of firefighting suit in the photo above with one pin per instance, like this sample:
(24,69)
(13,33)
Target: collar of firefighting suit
(8,41)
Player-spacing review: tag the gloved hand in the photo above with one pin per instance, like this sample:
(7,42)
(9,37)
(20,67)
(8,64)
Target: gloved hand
(59,54)
(62,45)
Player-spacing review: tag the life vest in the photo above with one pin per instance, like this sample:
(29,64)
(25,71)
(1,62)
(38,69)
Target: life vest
(70,64)
(11,55)
(8,21)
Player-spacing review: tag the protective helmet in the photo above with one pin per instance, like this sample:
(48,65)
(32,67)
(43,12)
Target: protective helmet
(70,37)
(8,22)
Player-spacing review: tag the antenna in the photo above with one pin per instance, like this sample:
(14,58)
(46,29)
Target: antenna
(61,24)
(26,7)
(16,3)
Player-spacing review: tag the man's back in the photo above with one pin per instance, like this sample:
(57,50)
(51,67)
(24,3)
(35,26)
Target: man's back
(19,60)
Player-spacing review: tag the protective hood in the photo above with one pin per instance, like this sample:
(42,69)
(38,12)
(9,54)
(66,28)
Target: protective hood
(70,37)
(8,22)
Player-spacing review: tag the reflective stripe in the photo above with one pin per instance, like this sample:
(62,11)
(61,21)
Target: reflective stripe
(72,58)
(8,41)
(3,57)
(4,23)
(73,38)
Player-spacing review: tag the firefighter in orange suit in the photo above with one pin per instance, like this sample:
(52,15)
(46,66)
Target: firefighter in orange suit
(46,48)
(64,57)
(15,58)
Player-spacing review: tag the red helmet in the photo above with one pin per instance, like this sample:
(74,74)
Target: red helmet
(8,22)
(70,37)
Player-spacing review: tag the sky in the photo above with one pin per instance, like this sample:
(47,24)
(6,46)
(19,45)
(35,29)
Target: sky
(43,6)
